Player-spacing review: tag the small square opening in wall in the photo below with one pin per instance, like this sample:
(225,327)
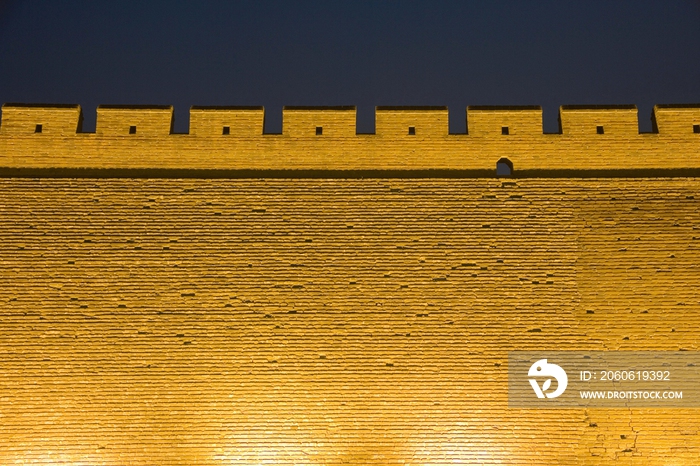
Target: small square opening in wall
(696,129)
(412,130)
(319,130)
(132,129)
(38,128)
(226,130)
(504,167)
(505,130)
(599,130)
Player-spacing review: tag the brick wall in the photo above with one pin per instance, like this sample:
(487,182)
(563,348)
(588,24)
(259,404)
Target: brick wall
(428,146)
(178,322)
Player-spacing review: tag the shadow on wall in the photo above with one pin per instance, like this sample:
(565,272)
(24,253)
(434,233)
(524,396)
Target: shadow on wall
(185,173)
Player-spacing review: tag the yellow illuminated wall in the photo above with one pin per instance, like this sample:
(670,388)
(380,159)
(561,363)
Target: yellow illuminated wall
(674,145)
(335,321)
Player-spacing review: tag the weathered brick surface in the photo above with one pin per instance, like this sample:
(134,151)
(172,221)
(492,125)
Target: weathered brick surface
(331,321)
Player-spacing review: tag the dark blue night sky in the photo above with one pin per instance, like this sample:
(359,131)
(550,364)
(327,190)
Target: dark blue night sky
(362,53)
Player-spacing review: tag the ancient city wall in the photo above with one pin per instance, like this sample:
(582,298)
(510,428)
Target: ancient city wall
(171,321)
(406,138)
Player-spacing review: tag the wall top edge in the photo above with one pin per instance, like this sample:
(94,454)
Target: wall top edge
(9,105)
(302,107)
(135,107)
(503,107)
(409,107)
(599,107)
(677,106)
(20,105)
(227,107)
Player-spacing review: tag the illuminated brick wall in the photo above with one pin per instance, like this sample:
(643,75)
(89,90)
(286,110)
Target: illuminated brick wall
(141,137)
(333,321)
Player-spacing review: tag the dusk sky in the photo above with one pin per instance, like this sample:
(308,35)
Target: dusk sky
(363,53)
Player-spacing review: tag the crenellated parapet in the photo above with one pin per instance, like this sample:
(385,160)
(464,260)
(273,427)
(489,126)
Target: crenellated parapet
(48,120)
(504,121)
(144,120)
(224,121)
(325,138)
(677,120)
(421,122)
